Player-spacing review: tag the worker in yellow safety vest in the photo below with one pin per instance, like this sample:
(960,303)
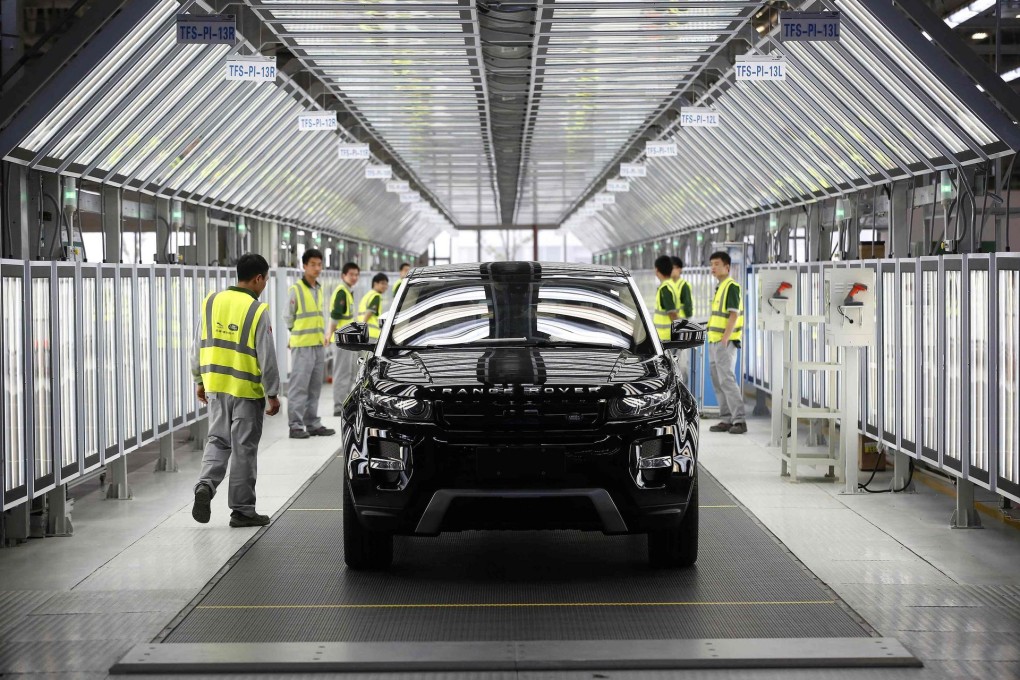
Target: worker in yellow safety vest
(341,311)
(665,299)
(371,305)
(725,326)
(306,321)
(684,310)
(405,267)
(681,290)
(236,374)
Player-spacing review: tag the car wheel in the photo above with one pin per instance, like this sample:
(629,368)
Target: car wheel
(363,549)
(678,545)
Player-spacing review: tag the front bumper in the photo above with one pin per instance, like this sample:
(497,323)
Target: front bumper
(519,480)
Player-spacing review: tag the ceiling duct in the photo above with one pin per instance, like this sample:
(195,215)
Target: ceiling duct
(507,44)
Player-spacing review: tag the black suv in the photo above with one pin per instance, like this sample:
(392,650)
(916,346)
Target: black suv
(519,395)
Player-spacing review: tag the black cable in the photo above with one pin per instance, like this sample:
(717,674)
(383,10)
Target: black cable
(878,461)
(56,224)
(166,245)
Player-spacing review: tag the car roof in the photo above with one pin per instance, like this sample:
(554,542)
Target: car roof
(521,269)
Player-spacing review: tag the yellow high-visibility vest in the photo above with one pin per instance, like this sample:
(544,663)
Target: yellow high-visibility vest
(227,358)
(373,324)
(678,287)
(396,287)
(663,324)
(342,289)
(309,323)
(720,316)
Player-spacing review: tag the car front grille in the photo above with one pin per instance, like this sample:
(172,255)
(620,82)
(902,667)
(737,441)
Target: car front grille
(514,416)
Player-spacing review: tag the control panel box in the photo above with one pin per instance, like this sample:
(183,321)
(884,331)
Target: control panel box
(850,307)
(777,298)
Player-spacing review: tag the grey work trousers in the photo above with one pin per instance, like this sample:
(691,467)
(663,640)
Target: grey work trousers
(235,428)
(307,373)
(722,362)
(345,368)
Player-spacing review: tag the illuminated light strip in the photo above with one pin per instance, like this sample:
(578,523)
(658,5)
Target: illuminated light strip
(968,12)
(517,605)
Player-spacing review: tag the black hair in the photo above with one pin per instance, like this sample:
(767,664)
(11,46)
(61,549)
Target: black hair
(251,265)
(677,262)
(310,253)
(720,255)
(664,265)
(404,264)
(379,278)
(349,266)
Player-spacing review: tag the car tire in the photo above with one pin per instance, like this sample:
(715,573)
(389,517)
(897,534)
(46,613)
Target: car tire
(677,546)
(363,549)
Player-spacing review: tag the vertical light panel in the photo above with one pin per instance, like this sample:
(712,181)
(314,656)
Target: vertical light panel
(42,376)
(162,387)
(931,361)
(112,392)
(953,365)
(143,329)
(1009,378)
(188,311)
(127,360)
(175,341)
(806,305)
(908,349)
(14,382)
(89,373)
(890,358)
(980,350)
(67,390)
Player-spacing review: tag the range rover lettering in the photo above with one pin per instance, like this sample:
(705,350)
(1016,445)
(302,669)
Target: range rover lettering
(519,396)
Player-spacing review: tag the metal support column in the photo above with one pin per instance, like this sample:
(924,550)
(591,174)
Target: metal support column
(848,431)
(899,228)
(205,255)
(113,209)
(118,489)
(167,461)
(58,518)
(16,524)
(901,479)
(21,214)
(966,515)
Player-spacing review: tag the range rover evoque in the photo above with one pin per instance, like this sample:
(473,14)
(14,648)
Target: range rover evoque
(519,395)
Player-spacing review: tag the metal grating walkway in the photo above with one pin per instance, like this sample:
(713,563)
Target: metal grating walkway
(291,586)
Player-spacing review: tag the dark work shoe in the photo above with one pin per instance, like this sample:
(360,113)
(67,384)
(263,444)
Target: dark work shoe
(299,434)
(256,520)
(738,428)
(201,511)
(720,427)
(322,431)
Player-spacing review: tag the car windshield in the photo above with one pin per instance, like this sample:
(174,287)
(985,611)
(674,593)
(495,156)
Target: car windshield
(548,313)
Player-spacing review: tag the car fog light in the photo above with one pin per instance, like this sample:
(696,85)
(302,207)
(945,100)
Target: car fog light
(386,464)
(653,454)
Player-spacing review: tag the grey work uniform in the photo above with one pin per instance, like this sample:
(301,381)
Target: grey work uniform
(722,363)
(307,374)
(345,362)
(235,424)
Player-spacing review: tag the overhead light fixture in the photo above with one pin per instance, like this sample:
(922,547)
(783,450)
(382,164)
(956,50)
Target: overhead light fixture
(1011,75)
(968,12)
(980,35)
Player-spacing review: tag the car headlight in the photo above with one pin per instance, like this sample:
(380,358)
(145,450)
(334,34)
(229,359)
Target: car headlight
(398,408)
(641,406)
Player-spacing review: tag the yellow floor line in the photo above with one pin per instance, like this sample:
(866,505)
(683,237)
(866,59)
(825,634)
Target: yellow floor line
(495,605)
(703,507)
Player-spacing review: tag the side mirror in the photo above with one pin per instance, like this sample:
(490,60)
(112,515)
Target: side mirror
(685,334)
(354,336)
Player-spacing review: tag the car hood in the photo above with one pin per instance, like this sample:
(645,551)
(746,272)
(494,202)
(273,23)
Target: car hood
(501,372)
